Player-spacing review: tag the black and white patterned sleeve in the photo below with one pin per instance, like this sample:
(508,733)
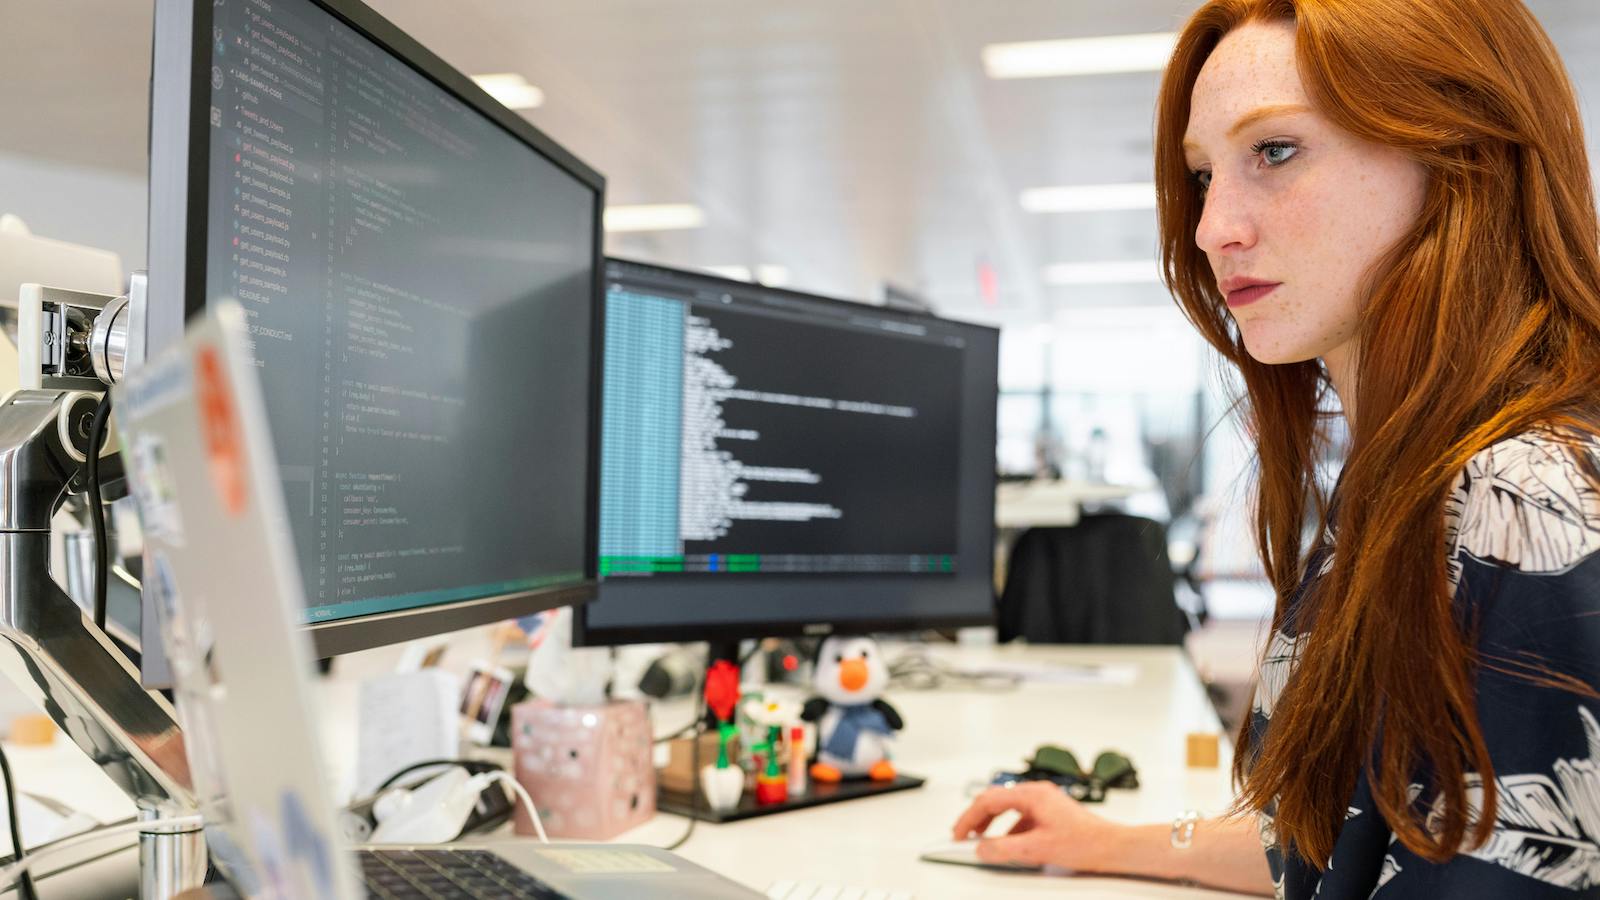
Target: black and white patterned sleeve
(1524,529)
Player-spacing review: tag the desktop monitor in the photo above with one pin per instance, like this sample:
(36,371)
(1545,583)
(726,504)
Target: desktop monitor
(779,463)
(420,269)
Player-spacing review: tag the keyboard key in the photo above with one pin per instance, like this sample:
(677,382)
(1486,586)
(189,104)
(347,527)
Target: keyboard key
(445,874)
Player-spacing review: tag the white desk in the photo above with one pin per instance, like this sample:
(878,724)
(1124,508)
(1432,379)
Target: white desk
(953,739)
(61,772)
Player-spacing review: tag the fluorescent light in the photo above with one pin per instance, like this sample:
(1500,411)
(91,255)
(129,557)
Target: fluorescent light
(511,89)
(1114,271)
(654,217)
(1080,56)
(1090,197)
(766,273)
(737,273)
(772,275)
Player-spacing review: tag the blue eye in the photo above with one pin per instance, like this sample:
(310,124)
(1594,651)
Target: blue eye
(1275,153)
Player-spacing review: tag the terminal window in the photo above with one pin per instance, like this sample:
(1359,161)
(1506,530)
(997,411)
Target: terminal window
(749,434)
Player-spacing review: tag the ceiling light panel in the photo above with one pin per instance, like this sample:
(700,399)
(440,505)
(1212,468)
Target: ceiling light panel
(737,273)
(512,90)
(654,217)
(1080,56)
(1090,197)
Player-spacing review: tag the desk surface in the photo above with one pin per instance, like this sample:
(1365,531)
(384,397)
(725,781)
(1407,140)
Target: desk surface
(955,738)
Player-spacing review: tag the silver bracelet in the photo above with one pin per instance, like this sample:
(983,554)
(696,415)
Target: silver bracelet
(1183,829)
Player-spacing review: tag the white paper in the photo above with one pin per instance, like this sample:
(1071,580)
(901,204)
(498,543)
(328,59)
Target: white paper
(405,719)
(1066,673)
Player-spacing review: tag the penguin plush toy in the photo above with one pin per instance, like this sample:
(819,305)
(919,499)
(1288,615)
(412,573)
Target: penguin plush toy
(855,725)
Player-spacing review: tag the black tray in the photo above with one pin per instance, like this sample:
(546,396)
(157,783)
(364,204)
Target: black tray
(816,795)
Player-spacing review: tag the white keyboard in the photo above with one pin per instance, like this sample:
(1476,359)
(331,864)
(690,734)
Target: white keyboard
(813,890)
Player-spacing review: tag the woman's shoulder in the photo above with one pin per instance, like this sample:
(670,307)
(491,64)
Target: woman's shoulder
(1530,502)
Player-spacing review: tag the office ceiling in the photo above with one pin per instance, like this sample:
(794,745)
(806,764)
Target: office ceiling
(851,142)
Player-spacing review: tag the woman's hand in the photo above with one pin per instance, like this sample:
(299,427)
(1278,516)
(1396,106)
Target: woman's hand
(1054,830)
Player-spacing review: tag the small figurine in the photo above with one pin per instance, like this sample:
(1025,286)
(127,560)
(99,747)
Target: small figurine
(856,724)
(722,781)
(772,783)
(797,760)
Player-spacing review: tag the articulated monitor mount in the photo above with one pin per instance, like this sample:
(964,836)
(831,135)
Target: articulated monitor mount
(75,344)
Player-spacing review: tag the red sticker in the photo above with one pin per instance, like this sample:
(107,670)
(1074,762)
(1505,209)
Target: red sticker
(219,421)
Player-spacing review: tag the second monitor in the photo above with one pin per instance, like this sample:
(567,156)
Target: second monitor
(776,463)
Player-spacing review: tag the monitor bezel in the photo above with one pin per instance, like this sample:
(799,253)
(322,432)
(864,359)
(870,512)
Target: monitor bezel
(180,136)
(586,635)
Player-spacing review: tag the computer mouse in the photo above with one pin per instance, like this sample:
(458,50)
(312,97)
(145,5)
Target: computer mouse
(965,853)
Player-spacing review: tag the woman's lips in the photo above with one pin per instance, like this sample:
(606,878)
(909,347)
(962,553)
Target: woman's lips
(1248,295)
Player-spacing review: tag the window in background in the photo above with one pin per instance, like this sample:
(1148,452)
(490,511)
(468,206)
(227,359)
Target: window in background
(1110,395)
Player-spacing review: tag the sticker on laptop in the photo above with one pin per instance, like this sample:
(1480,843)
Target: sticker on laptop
(161,587)
(293,857)
(271,860)
(308,846)
(219,425)
(153,489)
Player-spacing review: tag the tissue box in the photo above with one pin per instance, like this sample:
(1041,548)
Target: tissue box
(588,768)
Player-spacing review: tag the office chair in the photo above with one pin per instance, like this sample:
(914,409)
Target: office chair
(1106,580)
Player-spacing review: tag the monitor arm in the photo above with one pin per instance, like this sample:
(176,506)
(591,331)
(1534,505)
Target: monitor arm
(49,648)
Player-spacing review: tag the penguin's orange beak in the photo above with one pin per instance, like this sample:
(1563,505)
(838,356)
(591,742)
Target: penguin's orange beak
(853,674)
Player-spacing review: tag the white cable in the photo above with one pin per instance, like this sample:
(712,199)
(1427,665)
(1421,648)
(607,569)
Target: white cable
(527,801)
(11,873)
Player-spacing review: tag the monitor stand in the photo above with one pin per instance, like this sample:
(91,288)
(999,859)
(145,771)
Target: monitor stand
(52,652)
(64,663)
(816,794)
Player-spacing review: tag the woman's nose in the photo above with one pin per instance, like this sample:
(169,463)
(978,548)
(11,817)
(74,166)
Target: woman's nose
(1226,222)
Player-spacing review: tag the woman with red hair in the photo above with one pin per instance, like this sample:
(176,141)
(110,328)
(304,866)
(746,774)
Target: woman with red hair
(1382,209)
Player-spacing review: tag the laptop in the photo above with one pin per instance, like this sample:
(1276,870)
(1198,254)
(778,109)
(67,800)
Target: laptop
(228,595)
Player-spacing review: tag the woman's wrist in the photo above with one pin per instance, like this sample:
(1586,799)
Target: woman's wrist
(1224,853)
(1150,851)
(1116,852)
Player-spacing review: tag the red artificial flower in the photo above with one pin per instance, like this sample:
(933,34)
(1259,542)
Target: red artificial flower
(722,689)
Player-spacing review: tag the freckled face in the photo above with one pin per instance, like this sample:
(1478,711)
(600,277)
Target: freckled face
(1297,210)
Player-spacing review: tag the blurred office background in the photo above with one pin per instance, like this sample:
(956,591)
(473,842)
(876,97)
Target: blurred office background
(928,149)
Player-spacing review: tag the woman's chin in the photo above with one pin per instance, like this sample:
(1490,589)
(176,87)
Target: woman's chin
(1271,351)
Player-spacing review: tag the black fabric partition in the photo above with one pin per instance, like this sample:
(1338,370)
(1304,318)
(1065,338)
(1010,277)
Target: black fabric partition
(1106,580)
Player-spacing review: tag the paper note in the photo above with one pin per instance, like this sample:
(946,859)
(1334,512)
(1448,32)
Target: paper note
(405,719)
(1066,673)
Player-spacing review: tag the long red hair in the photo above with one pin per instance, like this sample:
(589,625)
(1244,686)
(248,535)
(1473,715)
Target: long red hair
(1481,323)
